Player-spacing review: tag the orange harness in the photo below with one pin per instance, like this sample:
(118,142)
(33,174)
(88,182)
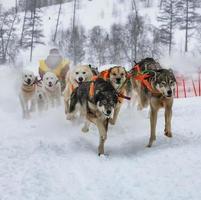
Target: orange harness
(143,79)
(105,76)
(92,86)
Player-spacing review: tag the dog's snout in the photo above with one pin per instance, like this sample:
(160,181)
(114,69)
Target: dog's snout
(50,83)
(109,112)
(169,92)
(80,79)
(118,80)
(28,80)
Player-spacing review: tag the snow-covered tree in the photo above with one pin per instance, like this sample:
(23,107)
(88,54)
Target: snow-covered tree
(8,36)
(115,45)
(188,18)
(66,43)
(98,46)
(32,32)
(168,20)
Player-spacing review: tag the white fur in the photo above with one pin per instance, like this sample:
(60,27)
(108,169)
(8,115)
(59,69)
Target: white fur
(27,99)
(52,88)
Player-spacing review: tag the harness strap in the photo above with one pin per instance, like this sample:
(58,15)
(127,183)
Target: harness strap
(105,74)
(142,77)
(92,86)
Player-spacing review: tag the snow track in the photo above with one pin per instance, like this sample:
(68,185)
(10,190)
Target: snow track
(49,158)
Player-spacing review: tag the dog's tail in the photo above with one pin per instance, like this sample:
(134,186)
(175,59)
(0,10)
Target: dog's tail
(73,101)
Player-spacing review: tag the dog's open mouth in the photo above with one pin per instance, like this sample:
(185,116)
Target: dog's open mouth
(106,114)
(28,82)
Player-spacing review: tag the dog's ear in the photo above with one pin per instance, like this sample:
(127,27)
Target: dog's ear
(96,92)
(58,81)
(170,70)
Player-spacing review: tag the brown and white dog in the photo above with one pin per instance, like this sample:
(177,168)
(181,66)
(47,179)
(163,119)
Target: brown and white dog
(74,77)
(27,93)
(117,75)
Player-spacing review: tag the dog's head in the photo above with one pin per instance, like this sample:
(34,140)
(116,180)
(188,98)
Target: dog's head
(165,82)
(40,94)
(106,101)
(28,77)
(117,76)
(50,79)
(82,73)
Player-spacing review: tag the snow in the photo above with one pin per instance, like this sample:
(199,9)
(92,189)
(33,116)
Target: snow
(48,157)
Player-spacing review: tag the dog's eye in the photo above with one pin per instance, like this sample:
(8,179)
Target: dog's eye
(122,74)
(47,78)
(30,75)
(25,76)
(104,102)
(163,83)
(114,74)
(77,72)
(84,72)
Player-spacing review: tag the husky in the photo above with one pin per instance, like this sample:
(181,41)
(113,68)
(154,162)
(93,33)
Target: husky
(117,75)
(162,82)
(27,93)
(97,107)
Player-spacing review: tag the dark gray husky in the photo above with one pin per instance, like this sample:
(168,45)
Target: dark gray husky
(162,82)
(96,100)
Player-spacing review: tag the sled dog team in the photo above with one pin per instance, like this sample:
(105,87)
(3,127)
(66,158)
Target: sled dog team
(98,96)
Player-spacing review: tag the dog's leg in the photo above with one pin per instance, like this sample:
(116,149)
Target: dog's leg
(168,118)
(58,100)
(153,120)
(85,128)
(23,107)
(115,115)
(102,128)
(33,105)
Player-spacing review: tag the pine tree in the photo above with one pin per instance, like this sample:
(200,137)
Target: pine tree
(8,36)
(115,47)
(32,33)
(188,17)
(98,46)
(72,49)
(168,20)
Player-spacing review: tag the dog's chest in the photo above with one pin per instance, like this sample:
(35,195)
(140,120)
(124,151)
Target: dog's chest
(28,92)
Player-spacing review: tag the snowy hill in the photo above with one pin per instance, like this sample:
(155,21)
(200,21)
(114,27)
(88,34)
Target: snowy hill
(105,13)
(49,158)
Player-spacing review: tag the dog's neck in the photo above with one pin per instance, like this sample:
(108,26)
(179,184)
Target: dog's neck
(28,88)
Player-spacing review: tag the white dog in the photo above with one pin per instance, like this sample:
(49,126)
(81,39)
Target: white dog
(52,88)
(41,99)
(27,93)
(74,77)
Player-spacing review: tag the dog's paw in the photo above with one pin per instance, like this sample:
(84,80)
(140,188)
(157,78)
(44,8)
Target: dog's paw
(168,134)
(70,117)
(85,129)
(111,121)
(104,156)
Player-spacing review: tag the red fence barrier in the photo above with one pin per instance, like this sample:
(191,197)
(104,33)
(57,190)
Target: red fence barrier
(188,87)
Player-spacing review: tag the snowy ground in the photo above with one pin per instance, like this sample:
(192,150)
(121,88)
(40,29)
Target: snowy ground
(48,158)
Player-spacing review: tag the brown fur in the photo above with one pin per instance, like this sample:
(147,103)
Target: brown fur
(157,100)
(115,73)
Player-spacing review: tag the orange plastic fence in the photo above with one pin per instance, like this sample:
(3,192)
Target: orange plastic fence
(188,87)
